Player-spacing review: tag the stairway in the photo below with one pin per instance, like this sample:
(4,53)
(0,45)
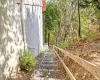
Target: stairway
(48,68)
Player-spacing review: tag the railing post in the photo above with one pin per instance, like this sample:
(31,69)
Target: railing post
(58,51)
(64,58)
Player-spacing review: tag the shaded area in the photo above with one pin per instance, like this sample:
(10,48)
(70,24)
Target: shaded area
(11,44)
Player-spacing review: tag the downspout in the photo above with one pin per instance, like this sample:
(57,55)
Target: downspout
(21,14)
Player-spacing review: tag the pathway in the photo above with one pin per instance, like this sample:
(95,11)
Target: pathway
(48,68)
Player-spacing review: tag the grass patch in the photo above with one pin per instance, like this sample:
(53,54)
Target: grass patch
(92,36)
(64,44)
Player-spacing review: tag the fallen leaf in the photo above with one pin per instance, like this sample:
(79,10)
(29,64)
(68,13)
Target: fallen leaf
(83,77)
(94,55)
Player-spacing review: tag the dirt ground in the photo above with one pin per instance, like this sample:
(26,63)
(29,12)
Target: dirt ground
(88,50)
(21,75)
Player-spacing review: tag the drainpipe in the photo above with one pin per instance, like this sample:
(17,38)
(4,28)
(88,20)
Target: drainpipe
(21,14)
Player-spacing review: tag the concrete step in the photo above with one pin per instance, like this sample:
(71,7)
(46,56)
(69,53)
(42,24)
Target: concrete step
(40,78)
(48,69)
(45,70)
(48,62)
(47,73)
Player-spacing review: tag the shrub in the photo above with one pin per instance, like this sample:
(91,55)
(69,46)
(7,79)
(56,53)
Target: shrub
(43,53)
(27,62)
(81,39)
(64,44)
(92,36)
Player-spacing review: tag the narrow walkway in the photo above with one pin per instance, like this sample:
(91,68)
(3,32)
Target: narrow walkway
(48,68)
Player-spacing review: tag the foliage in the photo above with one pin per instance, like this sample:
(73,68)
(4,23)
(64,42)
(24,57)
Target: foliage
(92,35)
(43,53)
(64,44)
(81,39)
(87,3)
(52,19)
(62,20)
(52,16)
(98,14)
(27,62)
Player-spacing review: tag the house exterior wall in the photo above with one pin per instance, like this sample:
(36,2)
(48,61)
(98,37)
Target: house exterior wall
(32,16)
(11,37)
(11,42)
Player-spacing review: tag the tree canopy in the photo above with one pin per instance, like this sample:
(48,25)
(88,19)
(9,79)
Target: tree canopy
(67,20)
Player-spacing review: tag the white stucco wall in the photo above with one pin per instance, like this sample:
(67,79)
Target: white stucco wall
(11,43)
(11,40)
(33,25)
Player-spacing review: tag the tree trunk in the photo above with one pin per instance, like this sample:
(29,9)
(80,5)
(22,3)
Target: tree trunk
(48,39)
(79,30)
(73,8)
(45,36)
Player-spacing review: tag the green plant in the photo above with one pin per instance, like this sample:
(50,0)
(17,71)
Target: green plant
(43,53)
(92,35)
(27,62)
(88,37)
(81,39)
(64,44)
